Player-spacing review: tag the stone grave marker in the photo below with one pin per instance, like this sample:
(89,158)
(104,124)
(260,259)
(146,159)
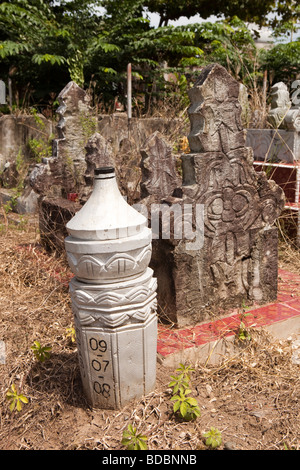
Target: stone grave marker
(233,262)
(113,296)
(238,261)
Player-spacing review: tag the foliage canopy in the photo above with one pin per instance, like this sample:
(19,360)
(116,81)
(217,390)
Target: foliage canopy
(45,43)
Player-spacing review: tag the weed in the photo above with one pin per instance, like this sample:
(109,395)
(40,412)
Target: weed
(179,383)
(288,447)
(186,406)
(38,120)
(11,204)
(88,124)
(41,352)
(71,334)
(21,166)
(7,207)
(16,399)
(213,438)
(243,333)
(40,149)
(133,441)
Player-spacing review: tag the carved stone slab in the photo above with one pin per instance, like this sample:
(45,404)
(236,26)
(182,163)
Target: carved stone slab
(215,113)
(158,168)
(238,261)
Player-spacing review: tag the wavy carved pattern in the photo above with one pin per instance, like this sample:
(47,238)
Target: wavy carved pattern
(116,319)
(136,295)
(120,264)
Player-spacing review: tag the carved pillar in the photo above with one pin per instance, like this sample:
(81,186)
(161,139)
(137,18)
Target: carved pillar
(113,296)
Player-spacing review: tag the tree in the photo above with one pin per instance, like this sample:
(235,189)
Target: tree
(287,18)
(146,48)
(63,33)
(282,62)
(72,36)
(247,10)
(228,42)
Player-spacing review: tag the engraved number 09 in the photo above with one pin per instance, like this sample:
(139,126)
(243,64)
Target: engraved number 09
(98,345)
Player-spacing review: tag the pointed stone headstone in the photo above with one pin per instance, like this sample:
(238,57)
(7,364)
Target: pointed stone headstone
(98,153)
(238,260)
(75,126)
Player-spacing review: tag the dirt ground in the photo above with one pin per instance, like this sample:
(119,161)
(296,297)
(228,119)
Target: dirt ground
(253,399)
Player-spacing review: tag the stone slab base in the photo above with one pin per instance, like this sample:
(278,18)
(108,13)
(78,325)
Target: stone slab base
(211,342)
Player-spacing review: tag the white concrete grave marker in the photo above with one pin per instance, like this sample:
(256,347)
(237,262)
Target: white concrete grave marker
(113,296)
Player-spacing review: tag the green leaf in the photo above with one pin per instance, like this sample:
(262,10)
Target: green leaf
(12,405)
(110,70)
(53,59)
(183,408)
(142,444)
(133,441)
(192,401)
(176,406)
(19,405)
(15,398)
(175,397)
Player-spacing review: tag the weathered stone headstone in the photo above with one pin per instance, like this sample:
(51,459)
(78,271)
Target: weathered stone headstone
(159,178)
(281,143)
(76,124)
(238,261)
(160,187)
(233,258)
(274,145)
(98,150)
(280,104)
(98,153)
(64,171)
(128,169)
(59,180)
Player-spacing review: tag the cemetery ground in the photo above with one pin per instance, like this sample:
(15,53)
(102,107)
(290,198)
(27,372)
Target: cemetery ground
(253,399)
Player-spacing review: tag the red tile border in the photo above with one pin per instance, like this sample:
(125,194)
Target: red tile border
(286,306)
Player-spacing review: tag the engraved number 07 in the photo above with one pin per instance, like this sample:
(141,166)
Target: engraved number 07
(97,365)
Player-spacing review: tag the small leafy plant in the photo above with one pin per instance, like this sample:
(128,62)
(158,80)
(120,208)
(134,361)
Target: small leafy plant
(41,352)
(243,333)
(180,382)
(186,406)
(133,441)
(16,399)
(213,438)
(71,334)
